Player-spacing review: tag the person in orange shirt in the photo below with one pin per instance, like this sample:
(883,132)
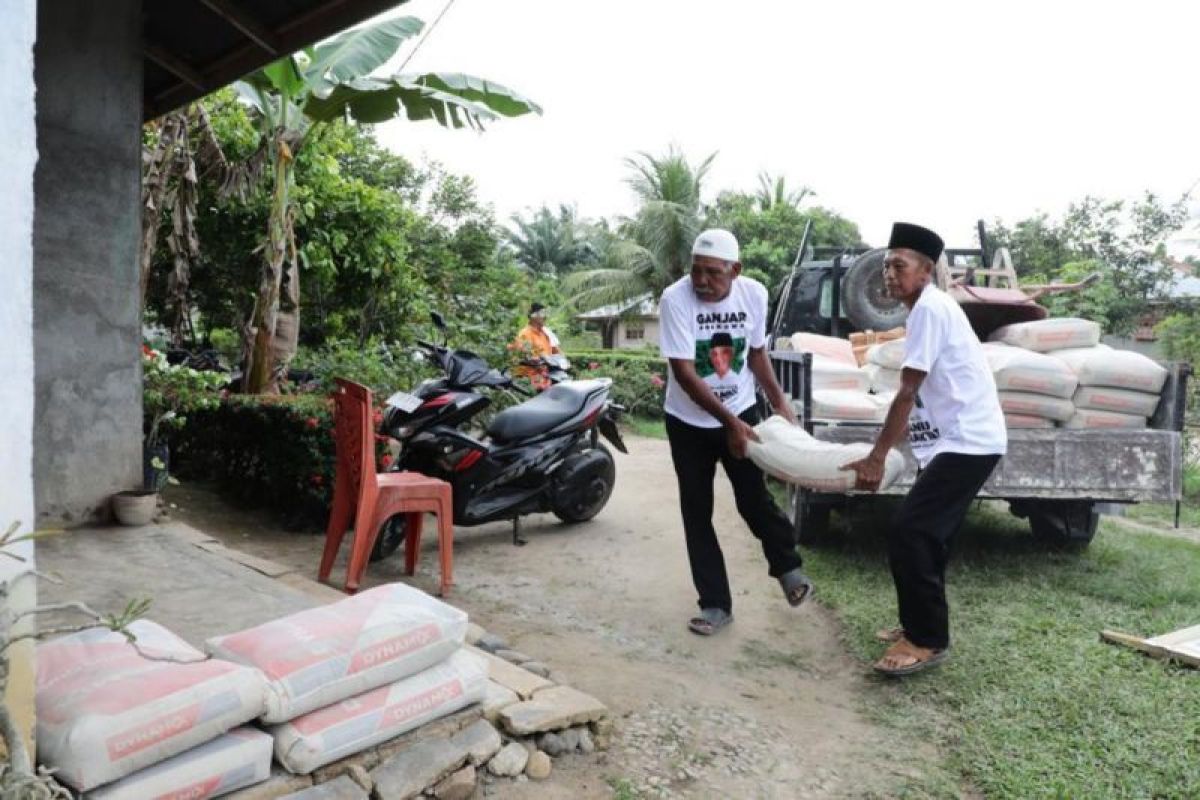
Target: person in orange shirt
(535,341)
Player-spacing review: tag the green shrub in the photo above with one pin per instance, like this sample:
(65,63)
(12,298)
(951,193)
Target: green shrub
(382,367)
(639,379)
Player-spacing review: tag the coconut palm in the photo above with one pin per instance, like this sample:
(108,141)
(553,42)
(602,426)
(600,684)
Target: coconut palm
(549,243)
(656,243)
(332,81)
(774,192)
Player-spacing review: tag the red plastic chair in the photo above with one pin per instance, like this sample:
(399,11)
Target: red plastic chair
(369,499)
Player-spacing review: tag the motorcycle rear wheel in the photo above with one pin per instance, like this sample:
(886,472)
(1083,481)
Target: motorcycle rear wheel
(390,538)
(585,491)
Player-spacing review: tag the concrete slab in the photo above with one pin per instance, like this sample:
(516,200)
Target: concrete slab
(195,593)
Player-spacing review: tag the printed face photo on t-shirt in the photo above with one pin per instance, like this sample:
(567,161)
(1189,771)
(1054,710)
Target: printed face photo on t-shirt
(721,355)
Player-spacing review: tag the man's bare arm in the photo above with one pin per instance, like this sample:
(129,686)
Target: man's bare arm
(870,469)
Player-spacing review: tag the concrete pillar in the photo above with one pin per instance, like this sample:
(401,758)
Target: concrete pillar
(86,298)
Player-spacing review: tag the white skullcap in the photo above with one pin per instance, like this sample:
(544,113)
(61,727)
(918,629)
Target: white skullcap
(716,243)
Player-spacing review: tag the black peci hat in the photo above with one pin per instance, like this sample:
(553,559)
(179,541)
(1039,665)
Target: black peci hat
(914,237)
(721,339)
(535,308)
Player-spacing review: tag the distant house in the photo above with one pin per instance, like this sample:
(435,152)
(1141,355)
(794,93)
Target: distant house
(625,325)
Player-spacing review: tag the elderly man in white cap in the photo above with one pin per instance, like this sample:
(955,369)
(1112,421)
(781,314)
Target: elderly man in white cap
(714,333)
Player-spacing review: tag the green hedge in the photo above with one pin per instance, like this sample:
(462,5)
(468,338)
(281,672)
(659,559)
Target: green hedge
(639,378)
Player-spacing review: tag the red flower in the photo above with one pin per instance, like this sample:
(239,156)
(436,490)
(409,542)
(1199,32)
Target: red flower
(657,381)
(146,350)
(594,365)
(312,423)
(316,480)
(385,460)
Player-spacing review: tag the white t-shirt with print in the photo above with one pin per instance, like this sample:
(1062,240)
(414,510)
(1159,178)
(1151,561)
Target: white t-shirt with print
(718,338)
(957,409)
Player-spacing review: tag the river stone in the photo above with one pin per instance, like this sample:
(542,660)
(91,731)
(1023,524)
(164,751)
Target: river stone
(458,786)
(510,761)
(552,709)
(480,740)
(551,744)
(538,767)
(491,642)
(410,771)
(341,788)
(570,739)
(586,744)
(513,656)
(536,667)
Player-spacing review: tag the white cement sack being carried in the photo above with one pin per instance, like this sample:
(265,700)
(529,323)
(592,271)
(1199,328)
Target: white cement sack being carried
(326,654)
(1122,401)
(1091,419)
(105,711)
(1020,421)
(325,735)
(889,355)
(883,380)
(1018,370)
(1029,404)
(1044,335)
(830,347)
(790,454)
(240,758)
(1122,369)
(828,374)
(840,406)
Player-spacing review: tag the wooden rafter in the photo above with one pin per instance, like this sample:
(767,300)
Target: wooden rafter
(250,27)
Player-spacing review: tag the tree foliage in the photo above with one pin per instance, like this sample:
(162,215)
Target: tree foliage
(550,242)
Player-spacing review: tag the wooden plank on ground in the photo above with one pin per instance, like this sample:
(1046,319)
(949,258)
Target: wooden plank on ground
(1182,645)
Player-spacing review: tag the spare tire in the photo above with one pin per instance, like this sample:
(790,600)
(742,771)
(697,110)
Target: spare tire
(867,303)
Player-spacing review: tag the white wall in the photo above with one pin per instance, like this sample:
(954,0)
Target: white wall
(18,154)
(649,336)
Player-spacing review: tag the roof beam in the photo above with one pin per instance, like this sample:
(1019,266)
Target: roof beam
(177,67)
(245,23)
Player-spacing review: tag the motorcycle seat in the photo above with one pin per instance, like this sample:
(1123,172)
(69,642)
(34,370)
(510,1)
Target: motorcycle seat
(543,413)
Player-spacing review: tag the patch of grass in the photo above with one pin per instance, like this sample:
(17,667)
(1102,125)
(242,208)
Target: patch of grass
(1032,704)
(645,426)
(622,789)
(1164,513)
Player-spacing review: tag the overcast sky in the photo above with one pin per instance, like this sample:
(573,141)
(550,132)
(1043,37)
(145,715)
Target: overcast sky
(934,112)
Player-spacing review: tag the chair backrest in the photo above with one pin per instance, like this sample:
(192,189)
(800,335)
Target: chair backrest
(353,437)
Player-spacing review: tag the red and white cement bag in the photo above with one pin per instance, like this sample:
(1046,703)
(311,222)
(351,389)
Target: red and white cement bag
(1092,420)
(829,347)
(831,375)
(1018,370)
(849,406)
(345,728)
(1121,369)
(1044,335)
(1122,401)
(883,380)
(1028,404)
(889,355)
(105,711)
(1022,422)
(238,759)
(320,656)
(787,452)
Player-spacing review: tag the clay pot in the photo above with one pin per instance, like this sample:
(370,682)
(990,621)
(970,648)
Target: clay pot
(135,507)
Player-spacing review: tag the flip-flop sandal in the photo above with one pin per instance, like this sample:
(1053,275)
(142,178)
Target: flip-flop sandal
(937,657)
(709,621)
(796,587)
(889,635)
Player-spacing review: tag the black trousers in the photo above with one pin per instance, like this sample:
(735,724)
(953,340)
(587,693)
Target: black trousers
(919,542)
(696,452)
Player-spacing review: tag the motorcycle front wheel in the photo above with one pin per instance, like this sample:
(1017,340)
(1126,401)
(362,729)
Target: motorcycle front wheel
(583,484)
(390,538)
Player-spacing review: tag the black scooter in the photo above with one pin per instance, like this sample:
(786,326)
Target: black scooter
(543,455)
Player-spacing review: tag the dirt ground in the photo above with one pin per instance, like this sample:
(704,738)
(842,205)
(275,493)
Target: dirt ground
(772,707)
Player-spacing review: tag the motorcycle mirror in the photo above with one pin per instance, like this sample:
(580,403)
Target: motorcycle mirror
(418,356)
(439,321)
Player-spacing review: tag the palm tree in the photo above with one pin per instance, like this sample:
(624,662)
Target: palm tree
(549,243)
(773,192)
(657,241)
(332,81)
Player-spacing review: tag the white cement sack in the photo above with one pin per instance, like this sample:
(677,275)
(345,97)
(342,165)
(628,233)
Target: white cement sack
(883,380)
(1018,370)
(1122,401)
(830,347)
(345,728)
(240,758)
(1028,404)
(1044,335)
(105,711)
(831,375)
(1121,369)
(889,355)
(326,654)
(1091,419)
(1020,421)
(849,406)
(789,453)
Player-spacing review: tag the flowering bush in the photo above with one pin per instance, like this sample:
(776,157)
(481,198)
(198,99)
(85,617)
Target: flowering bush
(169,393)
(639,379)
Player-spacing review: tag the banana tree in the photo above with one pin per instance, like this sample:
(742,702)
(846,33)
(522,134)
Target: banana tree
(333,81)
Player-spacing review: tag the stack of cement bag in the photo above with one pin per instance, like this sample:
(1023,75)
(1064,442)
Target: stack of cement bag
(1111,389)
(147,720)
(160,718)
(840,389)
(349,675)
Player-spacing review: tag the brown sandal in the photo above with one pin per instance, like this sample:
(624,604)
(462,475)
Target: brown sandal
(921,658)
(889,635)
